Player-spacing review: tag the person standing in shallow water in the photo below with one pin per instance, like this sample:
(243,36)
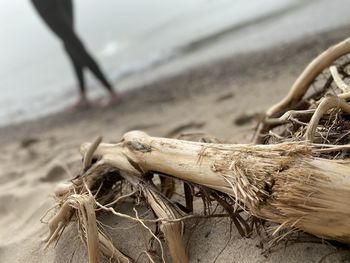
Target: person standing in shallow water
(59,17)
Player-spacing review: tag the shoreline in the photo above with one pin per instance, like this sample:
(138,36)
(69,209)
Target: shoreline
(203,79)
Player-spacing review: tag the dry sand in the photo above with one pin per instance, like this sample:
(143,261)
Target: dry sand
(223,99)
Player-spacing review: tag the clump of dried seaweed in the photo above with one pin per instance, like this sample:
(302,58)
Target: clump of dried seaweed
(297,177)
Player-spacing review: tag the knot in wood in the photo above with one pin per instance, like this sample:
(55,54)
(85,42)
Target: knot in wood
(138,146)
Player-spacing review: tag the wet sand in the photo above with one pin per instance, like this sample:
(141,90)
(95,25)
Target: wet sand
(223,99)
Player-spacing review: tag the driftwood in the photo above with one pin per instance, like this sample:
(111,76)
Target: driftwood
(297,176)
(304,81)
(283,183)
(295,99)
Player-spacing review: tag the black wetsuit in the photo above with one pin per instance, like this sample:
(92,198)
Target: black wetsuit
(58,15)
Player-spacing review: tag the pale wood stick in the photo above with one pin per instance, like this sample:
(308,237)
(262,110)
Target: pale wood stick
(282,183)
(301,85)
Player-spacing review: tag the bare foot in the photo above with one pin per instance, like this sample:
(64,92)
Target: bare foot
(82,104)
(113,100)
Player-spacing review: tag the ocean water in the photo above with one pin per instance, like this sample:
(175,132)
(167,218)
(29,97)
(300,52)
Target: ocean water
(126,37)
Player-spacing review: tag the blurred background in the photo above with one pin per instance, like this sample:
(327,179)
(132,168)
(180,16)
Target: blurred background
(203,67)
(147,39)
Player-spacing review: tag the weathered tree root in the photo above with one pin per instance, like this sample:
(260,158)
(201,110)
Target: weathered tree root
(270,181)
(96,241)
(301,85)
(338,80)
(327,103)
(282,183)
(171,230)
(340,83)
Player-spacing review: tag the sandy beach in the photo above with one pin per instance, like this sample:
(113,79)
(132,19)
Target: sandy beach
(224,99)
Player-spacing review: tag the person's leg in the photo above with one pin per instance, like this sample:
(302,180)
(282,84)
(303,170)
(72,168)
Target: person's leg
(55,15)
(68,13)
(78,70)
(82,101)
(54,12)
(76,47)
(79,53)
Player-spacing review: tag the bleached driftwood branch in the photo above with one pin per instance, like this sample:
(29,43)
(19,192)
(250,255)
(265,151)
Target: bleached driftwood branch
(302,83)
(282,183)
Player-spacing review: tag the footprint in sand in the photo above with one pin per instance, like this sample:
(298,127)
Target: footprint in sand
(226,96)
(27,142)
(141,126)
(190,125)
(56,173)
(10,177)
(245,118)
(7,202)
